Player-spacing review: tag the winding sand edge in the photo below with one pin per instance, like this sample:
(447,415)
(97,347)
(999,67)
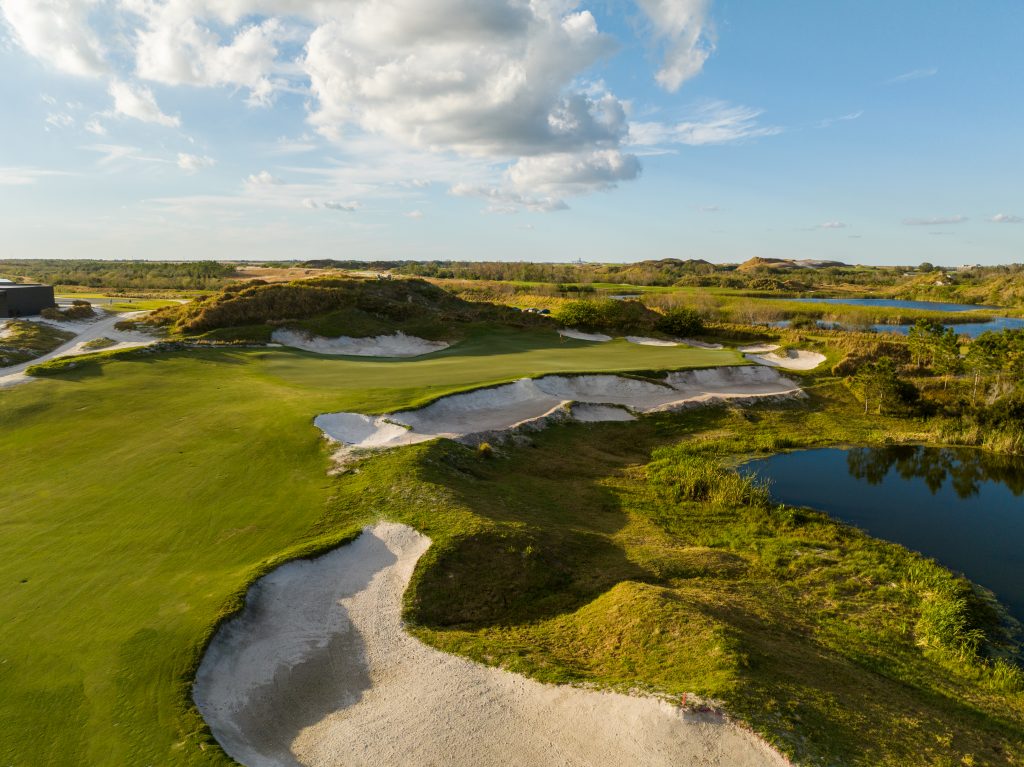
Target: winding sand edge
(319,671)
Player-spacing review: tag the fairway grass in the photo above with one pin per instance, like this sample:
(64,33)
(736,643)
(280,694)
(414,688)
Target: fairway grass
(143,495)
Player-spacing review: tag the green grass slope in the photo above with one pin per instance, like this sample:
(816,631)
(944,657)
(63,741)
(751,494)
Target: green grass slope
(142,494)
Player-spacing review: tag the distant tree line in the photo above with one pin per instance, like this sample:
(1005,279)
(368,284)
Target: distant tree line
(121,275)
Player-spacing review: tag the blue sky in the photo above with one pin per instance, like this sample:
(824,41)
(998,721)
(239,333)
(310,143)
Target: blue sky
(868,132)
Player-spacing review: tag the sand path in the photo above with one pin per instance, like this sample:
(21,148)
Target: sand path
(87,331)
(319,671)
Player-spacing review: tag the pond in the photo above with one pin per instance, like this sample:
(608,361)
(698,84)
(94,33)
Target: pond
(969,329)
(895,303)
(962,507)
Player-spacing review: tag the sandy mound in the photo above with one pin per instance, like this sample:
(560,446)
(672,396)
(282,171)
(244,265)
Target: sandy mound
(318,671)
(759,348)
(579,335)
(397,345)
(645,341)
(484,412)
(791,360)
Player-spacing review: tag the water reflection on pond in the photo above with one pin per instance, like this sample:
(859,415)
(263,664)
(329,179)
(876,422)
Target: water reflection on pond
(963,507)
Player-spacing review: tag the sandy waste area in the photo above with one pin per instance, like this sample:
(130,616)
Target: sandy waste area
(318,671)
(791,360)
(536,400)
(579,335)
(397,345)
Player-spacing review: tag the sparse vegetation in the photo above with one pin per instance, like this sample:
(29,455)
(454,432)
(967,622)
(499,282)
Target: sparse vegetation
(22,340)
(99,343)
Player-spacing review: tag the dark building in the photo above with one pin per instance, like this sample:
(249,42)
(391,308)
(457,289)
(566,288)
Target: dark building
(24,300)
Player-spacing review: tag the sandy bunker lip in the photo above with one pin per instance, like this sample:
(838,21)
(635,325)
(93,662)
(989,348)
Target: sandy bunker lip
(533,401)
(318,670)
(395,345)
(793,359)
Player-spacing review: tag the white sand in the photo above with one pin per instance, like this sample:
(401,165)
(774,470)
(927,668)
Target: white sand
(319,671)
(579,335)
(701,344)
(645,341)
(529,401)
(758,348)
(397,345)
(87,331)
(791,360)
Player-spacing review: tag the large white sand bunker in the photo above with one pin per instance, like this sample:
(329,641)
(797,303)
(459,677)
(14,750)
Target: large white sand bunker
(701,344)
(792,360)
(645,341)
(579,335)
(319,671)
(397,345)
(535,401)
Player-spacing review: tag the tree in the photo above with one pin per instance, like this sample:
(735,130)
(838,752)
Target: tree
(985,358)
(879,383)
(946,359)
(926,267)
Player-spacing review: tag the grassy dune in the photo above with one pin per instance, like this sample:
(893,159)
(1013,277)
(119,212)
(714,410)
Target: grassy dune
(142,496)
(22,340)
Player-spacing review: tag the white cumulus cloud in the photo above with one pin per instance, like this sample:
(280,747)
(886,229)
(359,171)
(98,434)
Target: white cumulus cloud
(1005,218)
(263,178)
(505,84)
(688,38)
(58,32)
(138,102)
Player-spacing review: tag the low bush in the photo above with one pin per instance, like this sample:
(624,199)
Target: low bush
(681,321)
(608,314)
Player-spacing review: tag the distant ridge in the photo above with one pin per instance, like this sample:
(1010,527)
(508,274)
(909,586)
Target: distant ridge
(785,264)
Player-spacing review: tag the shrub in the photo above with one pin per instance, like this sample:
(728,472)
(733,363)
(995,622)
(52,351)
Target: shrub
(484,450)
(681,321)
(81,310)
(607,314)
(51,313)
